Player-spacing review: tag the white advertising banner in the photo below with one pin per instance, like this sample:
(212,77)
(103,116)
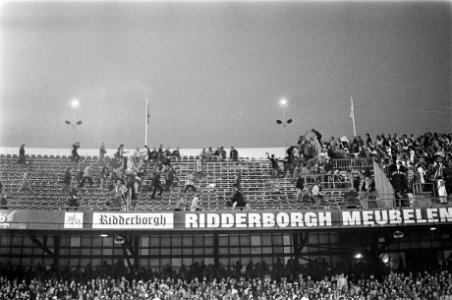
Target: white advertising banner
(73,220)
(130,220)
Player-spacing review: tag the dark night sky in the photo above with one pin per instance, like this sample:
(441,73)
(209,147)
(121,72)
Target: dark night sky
(215,71)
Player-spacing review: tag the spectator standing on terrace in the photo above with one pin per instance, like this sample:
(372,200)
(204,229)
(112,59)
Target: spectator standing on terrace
(295,157)
(238,200)
(3,200)
(103,175)
(190,182)
(234,154)
(274,164)
(26,182)
(203,154)
(300,187)
(196,203)
(442,193)
(87,175)
(121,194)
(210,153)
(21,159)
(181,205)
(420,178)
(167,153)
(102,152)
(73,198)
(398,179)
(160,155)
(170,178)
(80,170)
(156,185)
(199,167)
(154,155)
(238,181)
(317,194)
(75,156)
(119,155)
(176,154)
(148,153)
(220,153)
(132,184)
(67,176)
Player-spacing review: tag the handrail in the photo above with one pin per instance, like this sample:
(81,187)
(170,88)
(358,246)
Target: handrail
(353,163)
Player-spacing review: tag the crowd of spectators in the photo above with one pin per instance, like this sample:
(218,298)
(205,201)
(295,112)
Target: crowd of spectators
(199,281)
(412,164)
(123,175)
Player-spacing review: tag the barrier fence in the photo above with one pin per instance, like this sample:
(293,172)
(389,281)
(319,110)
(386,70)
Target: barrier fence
(353,164)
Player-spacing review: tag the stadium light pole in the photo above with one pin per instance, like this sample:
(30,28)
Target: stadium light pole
(75,104)
(284,122)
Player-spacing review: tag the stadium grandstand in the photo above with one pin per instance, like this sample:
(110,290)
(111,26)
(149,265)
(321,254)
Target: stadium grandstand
(225,150)
(370,209)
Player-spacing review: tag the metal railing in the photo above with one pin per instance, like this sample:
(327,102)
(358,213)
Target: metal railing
(353,163)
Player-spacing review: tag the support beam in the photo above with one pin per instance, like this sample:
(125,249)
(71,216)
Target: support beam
(56,249)
(126,255)
(131,243)
(216,255)
(42,245)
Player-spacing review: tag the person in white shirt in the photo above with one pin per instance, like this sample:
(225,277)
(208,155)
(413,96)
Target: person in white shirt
(317,195)
(442,193)
(26,182)
(190,182)
(196,203)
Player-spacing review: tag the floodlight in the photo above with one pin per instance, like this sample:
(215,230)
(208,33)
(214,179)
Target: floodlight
(279,121)
(67,122)
(75,103)
(119,240)
(79,123)
(289,121)
(283,101)
(398,234)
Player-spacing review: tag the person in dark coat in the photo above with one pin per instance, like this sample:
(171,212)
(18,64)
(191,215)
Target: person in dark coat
(238,200)
(156,185)
(21,159)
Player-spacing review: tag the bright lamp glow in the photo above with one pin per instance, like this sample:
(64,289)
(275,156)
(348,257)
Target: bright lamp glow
(283,101)
(75,103)
(358,256)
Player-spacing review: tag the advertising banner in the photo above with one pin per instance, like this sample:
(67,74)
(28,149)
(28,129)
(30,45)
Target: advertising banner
(73,220)
(318,219)
(132,220)
(226,220)
(13,219)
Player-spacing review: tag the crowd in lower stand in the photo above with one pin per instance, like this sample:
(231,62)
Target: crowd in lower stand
(253,281)
(412,164)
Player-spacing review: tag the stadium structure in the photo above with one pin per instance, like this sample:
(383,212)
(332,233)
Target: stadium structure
(370,231)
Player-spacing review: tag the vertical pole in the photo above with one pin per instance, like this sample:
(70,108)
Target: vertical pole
(353,117)
(146,124)
(284,126)
(74,122)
